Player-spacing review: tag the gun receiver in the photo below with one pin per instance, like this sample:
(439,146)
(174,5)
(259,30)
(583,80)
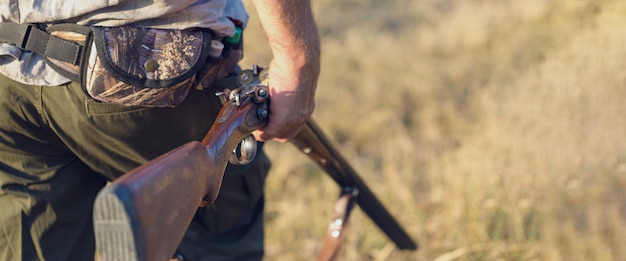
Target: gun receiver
(312,142)
(144,214)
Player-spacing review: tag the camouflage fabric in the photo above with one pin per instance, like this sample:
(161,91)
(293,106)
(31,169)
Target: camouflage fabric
(30,68)
(143,67)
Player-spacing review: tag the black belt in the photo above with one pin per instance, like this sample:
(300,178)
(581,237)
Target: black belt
(29,37)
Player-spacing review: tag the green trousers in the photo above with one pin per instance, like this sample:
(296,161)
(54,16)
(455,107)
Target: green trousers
(59,147)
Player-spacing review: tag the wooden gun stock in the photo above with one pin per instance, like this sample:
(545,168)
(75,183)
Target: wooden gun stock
(312,142)
(144,214)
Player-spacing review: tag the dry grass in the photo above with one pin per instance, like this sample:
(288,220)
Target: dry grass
(492,130)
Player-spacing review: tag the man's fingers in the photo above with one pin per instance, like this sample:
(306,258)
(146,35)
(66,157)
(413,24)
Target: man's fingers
(281,135)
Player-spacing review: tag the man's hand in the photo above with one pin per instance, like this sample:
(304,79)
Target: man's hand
(293,73)
(292,99)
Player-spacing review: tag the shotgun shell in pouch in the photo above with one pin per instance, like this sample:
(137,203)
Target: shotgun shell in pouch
(216,48)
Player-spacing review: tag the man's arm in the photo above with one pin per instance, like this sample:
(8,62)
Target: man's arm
(294,40)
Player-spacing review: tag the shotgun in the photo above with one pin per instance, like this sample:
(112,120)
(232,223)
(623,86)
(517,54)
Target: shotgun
(144,214)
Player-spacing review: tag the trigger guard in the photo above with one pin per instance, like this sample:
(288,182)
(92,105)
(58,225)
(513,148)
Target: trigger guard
(245,151)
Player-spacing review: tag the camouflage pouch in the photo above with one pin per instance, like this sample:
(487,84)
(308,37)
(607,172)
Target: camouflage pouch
(136,66)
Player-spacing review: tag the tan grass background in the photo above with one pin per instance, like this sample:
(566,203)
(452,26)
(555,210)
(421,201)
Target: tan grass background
(492,130)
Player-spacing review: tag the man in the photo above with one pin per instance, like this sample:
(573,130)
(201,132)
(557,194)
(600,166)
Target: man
(59,147)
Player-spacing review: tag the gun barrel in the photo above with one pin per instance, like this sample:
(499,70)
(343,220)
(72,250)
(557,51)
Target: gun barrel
(312,142)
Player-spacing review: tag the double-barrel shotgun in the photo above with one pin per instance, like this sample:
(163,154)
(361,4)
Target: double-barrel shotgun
(143,214)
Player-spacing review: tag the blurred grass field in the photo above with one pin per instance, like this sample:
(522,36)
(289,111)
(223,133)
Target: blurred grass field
(492,130)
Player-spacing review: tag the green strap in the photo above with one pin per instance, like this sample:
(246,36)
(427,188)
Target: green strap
(31,38)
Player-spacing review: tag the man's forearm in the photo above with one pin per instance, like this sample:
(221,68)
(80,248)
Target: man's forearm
(291,29)
(293,37)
